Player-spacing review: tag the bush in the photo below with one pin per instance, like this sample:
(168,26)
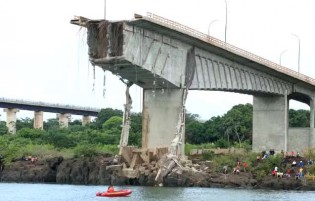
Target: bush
(85,150)
(30,133)
(311,169)
(59,138)
(222,143)
(3,128)
(45,151)
(208,155)
(221,160)
(266,166)
(309,153)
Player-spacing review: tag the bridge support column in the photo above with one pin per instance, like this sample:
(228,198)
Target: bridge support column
(11,119)
(312,130)
(270,123)
(86,119)
(64,120)
(160,117)
(39,120)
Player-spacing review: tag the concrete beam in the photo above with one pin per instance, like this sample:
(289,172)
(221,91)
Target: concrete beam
(39,120)
(86,119)
(11,119)
(64,120)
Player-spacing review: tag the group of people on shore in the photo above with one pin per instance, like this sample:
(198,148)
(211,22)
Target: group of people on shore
(33,159)
(292,165)
(237,168)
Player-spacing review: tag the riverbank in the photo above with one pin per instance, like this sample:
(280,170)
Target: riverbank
(96,171)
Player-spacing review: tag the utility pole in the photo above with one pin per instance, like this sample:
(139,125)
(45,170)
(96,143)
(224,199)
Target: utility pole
(104,9)
(297,37)
(225,21)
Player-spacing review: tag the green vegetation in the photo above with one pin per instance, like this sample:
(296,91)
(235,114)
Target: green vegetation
(103,134)
(99,137)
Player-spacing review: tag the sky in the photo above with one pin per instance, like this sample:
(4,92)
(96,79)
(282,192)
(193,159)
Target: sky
(44,58)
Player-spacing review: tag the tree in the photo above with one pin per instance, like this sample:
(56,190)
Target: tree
(238,122)
(135,130)
(113,123)
(112,127)
(106,114)
(214,128)
(76,122)
(195,133)
(3,128)
(30,133)
(24,123)
(51,124)
(59,138)
(189,117)
(299,118)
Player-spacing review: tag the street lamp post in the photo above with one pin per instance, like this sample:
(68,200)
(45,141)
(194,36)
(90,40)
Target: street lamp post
(281,56)
(225,20)
(299,51)
(213,21)
(104,9)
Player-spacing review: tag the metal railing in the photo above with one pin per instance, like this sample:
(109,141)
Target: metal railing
(238,51)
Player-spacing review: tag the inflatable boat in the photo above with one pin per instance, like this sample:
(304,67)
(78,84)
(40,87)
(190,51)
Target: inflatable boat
(114,194)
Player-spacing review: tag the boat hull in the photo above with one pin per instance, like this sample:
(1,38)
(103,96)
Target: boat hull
(119,193)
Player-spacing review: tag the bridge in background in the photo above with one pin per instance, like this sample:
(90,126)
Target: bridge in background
(12,106)
(167,59)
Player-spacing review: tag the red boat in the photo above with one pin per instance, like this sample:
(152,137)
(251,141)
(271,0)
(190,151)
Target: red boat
(119,193)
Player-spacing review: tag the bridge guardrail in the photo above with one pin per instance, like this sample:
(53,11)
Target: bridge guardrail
(214,41)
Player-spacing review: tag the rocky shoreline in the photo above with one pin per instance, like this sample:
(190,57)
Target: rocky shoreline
(95,171)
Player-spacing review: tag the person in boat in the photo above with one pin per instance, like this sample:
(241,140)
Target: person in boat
(110,189)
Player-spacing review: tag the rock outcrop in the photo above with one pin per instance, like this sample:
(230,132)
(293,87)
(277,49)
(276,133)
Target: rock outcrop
(96,171)
(26,171)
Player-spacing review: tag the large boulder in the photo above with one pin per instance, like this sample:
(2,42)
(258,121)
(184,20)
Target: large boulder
(186,177)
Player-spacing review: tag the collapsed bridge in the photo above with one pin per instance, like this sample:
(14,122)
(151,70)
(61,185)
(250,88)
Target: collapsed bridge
(167,59)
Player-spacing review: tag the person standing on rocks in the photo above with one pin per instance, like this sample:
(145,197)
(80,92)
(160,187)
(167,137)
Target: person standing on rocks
(225,168)
(244,166)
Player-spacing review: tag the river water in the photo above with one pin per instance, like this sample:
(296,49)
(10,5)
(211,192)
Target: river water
(56,192)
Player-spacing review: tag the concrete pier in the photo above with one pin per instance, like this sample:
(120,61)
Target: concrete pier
(11,119)
(160,116)
(86,119)
(270,116)
(64,120)
(39,120)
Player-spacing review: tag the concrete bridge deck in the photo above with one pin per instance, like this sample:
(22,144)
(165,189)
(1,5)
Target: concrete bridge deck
(47,107)
(148,50)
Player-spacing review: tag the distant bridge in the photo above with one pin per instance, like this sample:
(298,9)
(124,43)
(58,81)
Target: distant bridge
(12,106)
(48,107)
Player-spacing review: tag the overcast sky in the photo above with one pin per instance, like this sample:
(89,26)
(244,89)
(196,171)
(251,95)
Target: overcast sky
(44,58)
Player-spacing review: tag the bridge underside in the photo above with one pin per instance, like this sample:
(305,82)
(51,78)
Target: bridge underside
(126,70)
